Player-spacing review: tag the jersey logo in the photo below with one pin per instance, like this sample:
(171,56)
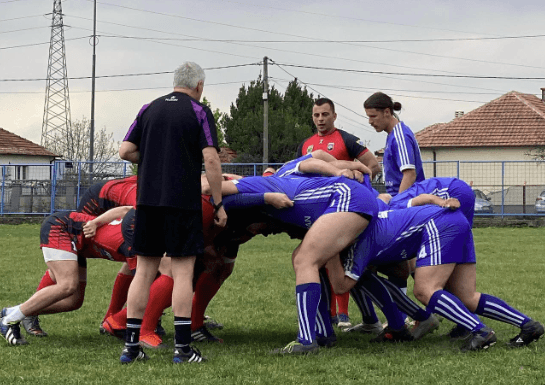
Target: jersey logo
(115,222)
(171,99)
(310,148)
(330,146)
(360,142)
(321,141)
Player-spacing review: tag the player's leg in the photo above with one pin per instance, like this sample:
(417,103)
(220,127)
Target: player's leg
(120,290)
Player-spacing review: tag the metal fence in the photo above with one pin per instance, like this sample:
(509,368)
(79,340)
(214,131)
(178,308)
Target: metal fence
(508,188)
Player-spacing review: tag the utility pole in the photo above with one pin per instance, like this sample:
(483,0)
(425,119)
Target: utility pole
(265,112)
(92,122)
(57,121)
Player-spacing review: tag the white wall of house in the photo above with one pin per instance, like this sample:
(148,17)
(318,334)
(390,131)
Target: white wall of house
(23,169)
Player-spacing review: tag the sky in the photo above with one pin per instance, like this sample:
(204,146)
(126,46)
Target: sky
(434,57)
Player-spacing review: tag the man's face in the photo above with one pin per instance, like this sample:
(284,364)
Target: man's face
(378,119)
(323,118)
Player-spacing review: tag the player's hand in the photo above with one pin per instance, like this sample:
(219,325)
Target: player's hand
(220,219)
(89,229)
(346,172)
(451,203)
(278,200)
(358,175)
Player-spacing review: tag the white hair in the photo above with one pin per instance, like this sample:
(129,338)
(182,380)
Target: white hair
(188,75)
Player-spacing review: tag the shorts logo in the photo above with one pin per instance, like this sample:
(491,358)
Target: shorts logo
(308,222)
(330,146)
(309,149)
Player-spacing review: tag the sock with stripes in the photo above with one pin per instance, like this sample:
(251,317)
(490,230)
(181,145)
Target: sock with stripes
(364,303)
(307,299)
(497,309)
(132,335)
(324,328)
(401,284)
(449,306)
(182,328)
(404,303)
(380,295)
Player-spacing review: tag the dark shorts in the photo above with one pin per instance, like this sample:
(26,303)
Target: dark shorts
(169,230)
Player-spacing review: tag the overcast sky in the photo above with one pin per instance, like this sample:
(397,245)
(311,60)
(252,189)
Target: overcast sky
(358,47)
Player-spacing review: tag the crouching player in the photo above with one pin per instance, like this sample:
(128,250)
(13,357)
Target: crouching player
(67,239)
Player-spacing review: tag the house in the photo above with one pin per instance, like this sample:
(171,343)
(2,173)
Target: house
(20,152)
(491,146)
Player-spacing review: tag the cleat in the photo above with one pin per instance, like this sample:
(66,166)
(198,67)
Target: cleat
(297,348)
(129,355)
(101,329)
(375,328)
(531,331)
(480,340)
(459,333)
(12,333)
(152,341)
(421,328)
(334,320)
(202,334)
(159,330)
(111,328)
(32,326)
(327,342)
(211,324)
(344,321)
(390,335)
(194,355)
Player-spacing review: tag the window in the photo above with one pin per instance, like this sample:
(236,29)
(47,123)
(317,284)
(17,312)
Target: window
(21,172)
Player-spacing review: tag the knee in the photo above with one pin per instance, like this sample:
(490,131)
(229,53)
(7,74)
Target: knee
(68,288)
(422,294)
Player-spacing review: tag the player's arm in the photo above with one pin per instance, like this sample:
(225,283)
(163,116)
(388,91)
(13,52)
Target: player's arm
(90,228)
(409,177)
(212,166)
(317,166)
(369,160)
(339,281)
(129,151)
(429,199)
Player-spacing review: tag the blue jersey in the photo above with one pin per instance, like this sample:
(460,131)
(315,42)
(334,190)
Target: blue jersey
(312,197)
(442,187)
(291,167)
(434,234)
(401,153)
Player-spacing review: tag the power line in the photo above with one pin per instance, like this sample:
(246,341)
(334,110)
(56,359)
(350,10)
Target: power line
(21,17)
(47,42)
(24,29)
(130,75)
(409,74)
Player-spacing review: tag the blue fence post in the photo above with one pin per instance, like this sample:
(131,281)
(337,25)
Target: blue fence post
(3,190)
(53,187)
(458,169)
(502,188)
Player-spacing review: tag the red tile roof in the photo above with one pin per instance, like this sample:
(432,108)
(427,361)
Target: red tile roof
(11,144)
(227,155)
(512,120)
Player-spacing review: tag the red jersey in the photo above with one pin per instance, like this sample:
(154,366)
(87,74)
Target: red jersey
(102,196)
(339,143)
(106,242)
(64,231)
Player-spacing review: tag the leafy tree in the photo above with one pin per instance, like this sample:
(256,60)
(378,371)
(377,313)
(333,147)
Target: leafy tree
(218,117)
(290,122)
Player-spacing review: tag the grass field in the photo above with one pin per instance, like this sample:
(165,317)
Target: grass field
(257,307)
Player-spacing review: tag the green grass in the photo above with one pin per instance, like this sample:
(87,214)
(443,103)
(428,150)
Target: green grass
(257,307)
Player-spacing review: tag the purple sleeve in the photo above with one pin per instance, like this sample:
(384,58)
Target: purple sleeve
(206,121)
(134,133)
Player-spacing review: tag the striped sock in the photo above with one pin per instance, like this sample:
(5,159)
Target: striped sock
(497,309)
(132,335)
(449,306)
(404,303)
(307,298)
(365,305)
(402,285)
(323,319)
(182,328)
(380,295)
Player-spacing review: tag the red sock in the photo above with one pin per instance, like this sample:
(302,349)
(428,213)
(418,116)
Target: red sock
(342,300)
(46,281)
(119,293)
(206,288)
(333,307)
(160,298)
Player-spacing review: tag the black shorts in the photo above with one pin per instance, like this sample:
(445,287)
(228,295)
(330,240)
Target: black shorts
(169,230)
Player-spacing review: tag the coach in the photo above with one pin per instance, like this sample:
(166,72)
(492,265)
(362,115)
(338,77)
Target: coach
(169,139)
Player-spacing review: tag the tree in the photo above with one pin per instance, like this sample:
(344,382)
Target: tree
(290,122)
(75,144)
(218,117)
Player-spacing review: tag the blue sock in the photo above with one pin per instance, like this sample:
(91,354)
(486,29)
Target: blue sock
(368,314)
(401,285)
(324,328)
(449,306)
(381,297)
(496,308)
(132,335)
(182,338)
(307,297)
(404,303)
